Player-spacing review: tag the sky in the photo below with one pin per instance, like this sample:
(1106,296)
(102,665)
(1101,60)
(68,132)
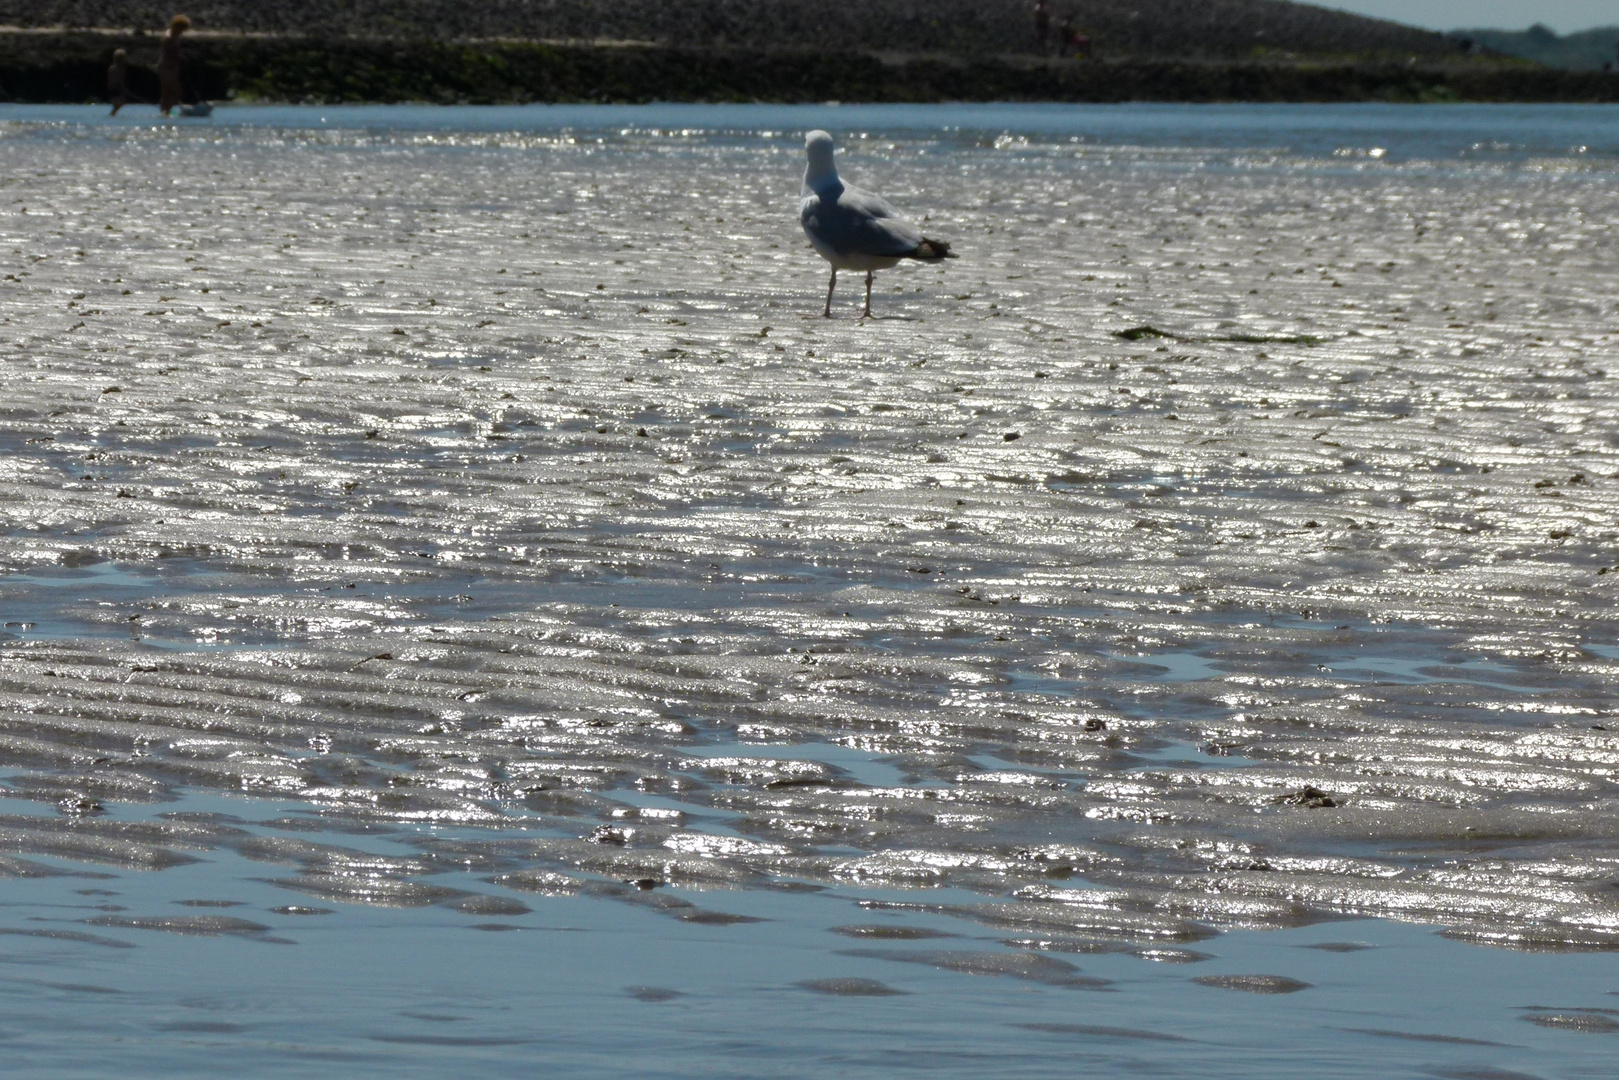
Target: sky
(1561,15)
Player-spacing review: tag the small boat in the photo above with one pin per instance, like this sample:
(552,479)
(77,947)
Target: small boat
(201,108)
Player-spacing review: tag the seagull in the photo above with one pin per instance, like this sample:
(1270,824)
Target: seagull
(854,229)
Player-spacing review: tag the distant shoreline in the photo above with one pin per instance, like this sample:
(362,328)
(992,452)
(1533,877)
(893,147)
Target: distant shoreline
(70,66)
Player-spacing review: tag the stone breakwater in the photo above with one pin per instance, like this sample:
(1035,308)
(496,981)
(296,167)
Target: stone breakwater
(71,67)
(1224,540)
(1208,28)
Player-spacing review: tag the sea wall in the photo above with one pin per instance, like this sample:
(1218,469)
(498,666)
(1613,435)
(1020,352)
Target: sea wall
(71,67)
(1206,29)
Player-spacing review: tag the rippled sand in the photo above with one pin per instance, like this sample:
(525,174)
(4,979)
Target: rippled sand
(502,497)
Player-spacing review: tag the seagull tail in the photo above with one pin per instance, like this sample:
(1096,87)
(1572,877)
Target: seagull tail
(932,251)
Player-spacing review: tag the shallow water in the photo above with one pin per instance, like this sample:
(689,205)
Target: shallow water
(427,515)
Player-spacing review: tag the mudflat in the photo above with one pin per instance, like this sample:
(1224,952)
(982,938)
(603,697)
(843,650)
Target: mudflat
(1224,540)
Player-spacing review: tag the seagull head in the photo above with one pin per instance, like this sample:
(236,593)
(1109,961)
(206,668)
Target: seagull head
(818,144)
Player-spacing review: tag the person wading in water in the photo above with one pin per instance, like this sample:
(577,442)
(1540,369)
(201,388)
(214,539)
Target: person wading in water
(118,81)
(168,64)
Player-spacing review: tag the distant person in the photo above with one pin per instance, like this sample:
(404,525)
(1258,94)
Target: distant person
(1065,36)
(1080,45)
(168,64)
(118,81)
(1042,27)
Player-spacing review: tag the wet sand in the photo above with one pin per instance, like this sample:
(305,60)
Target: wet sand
(1222,543)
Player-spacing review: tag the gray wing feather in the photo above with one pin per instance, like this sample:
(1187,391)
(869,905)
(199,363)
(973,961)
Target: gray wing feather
(855,222)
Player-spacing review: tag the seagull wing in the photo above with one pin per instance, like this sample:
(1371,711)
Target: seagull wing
(854,222)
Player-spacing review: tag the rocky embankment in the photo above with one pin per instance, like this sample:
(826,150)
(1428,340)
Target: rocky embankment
(1203,29)
(70,66)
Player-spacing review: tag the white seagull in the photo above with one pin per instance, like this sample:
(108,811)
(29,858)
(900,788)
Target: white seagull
(854,229)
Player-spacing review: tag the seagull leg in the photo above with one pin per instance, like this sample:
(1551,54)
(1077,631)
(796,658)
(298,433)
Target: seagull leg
(867,313)
(834,284)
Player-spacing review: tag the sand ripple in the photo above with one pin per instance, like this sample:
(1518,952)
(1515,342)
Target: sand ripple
(500,498)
